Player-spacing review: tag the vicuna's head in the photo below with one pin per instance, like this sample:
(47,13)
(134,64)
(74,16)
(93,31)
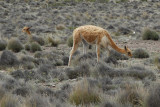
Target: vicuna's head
(26,29)
(127,51)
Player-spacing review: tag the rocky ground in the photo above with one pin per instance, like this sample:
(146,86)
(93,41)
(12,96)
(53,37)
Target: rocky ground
(42,78)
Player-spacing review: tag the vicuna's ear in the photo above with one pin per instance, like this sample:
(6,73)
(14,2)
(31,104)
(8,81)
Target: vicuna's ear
(125,47)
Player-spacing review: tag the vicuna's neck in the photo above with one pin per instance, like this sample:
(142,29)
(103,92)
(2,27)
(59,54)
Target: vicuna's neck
(113,45)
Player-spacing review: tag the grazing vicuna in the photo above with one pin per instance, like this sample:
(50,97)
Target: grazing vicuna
(94,35)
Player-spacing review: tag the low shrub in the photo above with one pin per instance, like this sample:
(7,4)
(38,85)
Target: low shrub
(117,55)
(8,58)
(80,71)
(27,47)
(14,45)
(39,40)
(70,41)
(3,45)
(18,74)
(10,84)
(140,53)
(22,91)
(35,47)
(53,42)
(150,35)
(38,54)
(84,95)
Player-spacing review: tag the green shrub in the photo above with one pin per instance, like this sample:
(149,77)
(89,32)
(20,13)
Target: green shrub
(83,94)
(15,45)
(140,53)
(27,47)
(70,41)
(35,47)
(150,35)
(3,45)
(53,42)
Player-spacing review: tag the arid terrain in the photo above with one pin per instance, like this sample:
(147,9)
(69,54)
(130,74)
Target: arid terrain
(33,68)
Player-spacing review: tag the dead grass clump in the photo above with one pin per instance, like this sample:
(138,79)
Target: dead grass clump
(15,45)
(84,95)
(35,47)
(140,53)
(37,101)
(153,100)
(53,42)
(132,95)
(150,35)
(3,45)
(60,27)
(9,101)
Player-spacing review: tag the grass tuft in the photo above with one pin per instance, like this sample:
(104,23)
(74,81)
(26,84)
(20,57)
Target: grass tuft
(84,95)
(14,45)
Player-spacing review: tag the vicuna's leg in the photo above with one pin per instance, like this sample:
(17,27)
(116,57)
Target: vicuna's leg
(74,48)
(84,46)
(98,51)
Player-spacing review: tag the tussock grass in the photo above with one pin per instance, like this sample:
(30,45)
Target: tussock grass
(84,95)
(140,53)
(35,47)
(134,95)
(14,45)
(53,42)
(149,34)
(153,99)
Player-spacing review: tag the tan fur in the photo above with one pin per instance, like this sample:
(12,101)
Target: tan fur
(94,35)
(26,29)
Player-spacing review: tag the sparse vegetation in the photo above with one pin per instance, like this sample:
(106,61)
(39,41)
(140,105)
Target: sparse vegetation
(140,53)
(39,76)
(14,45)
(35,47)
(150,35)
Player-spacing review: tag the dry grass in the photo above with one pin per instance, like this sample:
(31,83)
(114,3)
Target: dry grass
(83,94)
